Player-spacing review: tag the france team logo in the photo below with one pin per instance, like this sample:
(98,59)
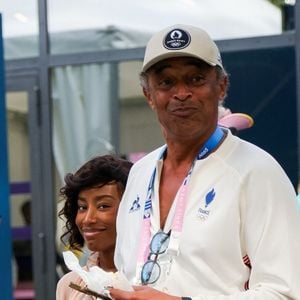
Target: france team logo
(204,211)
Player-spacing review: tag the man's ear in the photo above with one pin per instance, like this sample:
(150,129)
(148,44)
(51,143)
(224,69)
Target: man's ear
(147,95)
(224,87)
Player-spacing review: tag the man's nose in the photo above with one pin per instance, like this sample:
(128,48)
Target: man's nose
(182,91)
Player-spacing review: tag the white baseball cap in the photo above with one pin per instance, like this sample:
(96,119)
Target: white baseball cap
(181,40)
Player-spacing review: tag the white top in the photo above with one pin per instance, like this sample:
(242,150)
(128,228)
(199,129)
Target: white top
(64,292)
(252,215)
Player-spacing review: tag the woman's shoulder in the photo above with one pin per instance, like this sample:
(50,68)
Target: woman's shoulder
(63,291)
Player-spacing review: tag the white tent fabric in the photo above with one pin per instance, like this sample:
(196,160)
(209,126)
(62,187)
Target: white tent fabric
(81,115)
(223,19)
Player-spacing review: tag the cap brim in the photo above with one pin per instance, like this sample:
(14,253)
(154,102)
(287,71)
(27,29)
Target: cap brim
(171,55)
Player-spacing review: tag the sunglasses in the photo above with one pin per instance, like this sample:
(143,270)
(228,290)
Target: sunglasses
(151,269)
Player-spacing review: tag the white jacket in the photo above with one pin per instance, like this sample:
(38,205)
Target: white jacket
(253,216)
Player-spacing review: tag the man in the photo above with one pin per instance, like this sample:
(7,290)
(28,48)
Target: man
(208,216)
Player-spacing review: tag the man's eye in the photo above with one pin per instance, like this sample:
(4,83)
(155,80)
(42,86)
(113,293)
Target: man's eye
(165,82)
(197,79)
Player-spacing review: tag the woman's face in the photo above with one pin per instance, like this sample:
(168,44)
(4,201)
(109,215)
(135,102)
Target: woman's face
(96,216)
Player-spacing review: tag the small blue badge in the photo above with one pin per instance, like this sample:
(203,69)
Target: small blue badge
(135,205)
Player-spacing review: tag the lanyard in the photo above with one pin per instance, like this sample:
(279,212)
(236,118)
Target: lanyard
(177,222)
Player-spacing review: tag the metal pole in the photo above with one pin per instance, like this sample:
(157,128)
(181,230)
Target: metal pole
(44,210)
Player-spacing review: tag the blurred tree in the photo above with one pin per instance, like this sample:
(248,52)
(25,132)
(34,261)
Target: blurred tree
(287,13)
(277,2)
(280,3)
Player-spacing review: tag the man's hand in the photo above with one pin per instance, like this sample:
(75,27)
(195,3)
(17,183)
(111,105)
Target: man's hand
(141,293)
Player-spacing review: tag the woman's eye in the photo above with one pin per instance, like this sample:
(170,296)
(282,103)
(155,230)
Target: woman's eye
(81,207)
(103,206)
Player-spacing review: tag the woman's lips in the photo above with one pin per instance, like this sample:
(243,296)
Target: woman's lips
(89,233)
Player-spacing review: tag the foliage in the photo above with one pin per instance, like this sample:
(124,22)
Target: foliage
(279,3)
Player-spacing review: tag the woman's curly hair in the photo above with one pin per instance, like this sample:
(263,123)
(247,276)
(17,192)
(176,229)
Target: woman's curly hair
(97,172)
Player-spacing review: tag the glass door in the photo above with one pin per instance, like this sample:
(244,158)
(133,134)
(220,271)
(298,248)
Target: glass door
(20,193)
(27,208)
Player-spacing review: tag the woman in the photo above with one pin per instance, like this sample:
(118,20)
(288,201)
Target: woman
(92,197)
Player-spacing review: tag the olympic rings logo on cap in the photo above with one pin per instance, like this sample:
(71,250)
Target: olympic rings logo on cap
(177,39)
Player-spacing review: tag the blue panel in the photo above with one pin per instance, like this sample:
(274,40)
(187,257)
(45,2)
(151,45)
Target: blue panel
(5,231)
(263,84)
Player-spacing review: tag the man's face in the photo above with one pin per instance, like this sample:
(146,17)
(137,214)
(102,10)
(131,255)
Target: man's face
(185,92)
